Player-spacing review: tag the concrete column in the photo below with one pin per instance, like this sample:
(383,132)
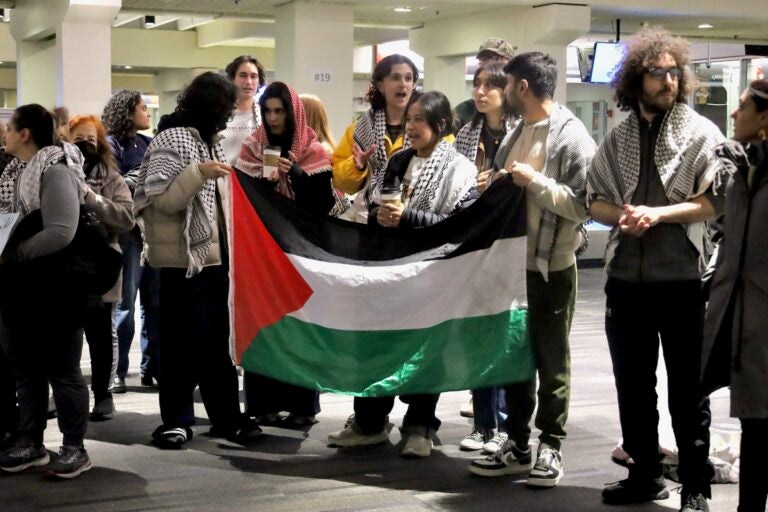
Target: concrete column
(73,69)
(549,28)
(313,54)
(170,82)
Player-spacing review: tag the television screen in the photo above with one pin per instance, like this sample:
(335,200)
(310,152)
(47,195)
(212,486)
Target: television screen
(605,61)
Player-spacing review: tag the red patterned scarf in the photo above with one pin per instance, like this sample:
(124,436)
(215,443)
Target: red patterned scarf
(309,153)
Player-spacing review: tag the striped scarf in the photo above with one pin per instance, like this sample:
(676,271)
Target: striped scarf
(167,156)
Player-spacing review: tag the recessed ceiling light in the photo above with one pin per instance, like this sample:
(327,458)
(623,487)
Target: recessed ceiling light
(402,9)
(706,25)
(127,67)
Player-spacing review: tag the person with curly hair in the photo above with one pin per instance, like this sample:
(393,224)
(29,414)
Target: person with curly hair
(247,73)
(182,196)
(125,114)
(110,198)
(361,156)
(652,180)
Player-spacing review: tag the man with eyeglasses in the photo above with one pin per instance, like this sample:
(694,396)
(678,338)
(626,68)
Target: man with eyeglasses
(652,180)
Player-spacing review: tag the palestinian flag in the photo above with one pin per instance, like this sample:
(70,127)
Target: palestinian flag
(343,307)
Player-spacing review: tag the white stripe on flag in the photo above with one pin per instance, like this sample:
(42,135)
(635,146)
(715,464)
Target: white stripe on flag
(414,295)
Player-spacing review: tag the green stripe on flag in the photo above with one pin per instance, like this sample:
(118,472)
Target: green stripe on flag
(457,354)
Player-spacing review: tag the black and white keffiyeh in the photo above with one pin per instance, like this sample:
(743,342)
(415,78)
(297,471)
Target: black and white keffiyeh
(442,183)
(684,157)
(468,140)
(167,156)
(21,182)
(370,129)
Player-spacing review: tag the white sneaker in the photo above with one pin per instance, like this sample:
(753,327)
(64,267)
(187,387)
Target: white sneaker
(351,436)
(417,446)
(475,440)
(495,443)
(548,469)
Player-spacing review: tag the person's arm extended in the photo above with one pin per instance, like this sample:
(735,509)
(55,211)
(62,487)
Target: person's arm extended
(605,212)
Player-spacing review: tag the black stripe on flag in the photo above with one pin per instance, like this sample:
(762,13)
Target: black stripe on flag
(499,213)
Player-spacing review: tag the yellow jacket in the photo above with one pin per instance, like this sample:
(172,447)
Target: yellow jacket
(346,176)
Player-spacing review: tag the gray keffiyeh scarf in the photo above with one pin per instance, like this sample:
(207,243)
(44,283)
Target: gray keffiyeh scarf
(684,157)
(20,182)
(167,156)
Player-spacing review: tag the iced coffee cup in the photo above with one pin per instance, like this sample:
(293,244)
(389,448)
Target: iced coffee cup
(391,195)
(270,161)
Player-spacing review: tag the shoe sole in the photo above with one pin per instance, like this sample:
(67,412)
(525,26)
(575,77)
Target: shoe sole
(466,414)
(469,448)
(42,461)
(412,454)
(499,472)
(383,438)
(663,495)
(66,476)
(543,482)
(101,417)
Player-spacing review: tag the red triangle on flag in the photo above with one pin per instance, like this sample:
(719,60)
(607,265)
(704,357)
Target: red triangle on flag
(266,284)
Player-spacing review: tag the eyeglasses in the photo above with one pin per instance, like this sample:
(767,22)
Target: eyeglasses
(661,73)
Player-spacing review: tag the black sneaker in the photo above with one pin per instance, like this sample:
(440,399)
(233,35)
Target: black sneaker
(635,490)
(509,460)
(691,502)
(23,455)
(71,462)
(103,410)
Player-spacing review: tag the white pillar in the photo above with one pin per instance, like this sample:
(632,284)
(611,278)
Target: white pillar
(313,54)
(75,69)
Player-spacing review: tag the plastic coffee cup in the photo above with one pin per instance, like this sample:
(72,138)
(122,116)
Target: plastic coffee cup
(390,196)
(270,161)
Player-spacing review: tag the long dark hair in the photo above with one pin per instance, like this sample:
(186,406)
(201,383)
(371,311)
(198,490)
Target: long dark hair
(39,122)
(382,71)
(206,105)
(645,47)
(280,91)
(497,78)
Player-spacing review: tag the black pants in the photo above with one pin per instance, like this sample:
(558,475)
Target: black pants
(265,395)
(371,412)
(98,334)
(44,352)
(637,316)
(753,487)
(194,348)
(9,411)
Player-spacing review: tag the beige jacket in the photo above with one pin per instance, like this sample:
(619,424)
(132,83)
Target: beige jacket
(164,220)
(113,206)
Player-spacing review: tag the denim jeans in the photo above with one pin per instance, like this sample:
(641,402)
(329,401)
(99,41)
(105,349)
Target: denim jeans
(147,280)
(490,408)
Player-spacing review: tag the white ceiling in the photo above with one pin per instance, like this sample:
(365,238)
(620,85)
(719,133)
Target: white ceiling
(376,20)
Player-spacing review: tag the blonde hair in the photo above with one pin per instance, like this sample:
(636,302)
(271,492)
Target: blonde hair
(317,119)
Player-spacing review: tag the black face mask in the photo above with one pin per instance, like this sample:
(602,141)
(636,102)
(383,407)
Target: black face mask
(89,151)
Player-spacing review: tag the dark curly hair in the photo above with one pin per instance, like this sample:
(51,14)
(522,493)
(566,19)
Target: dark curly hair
(206,104)
(644,48)
(382,71)
(232,67)
(118,114)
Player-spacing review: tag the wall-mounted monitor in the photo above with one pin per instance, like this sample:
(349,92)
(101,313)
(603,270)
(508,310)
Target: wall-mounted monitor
(605,61)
